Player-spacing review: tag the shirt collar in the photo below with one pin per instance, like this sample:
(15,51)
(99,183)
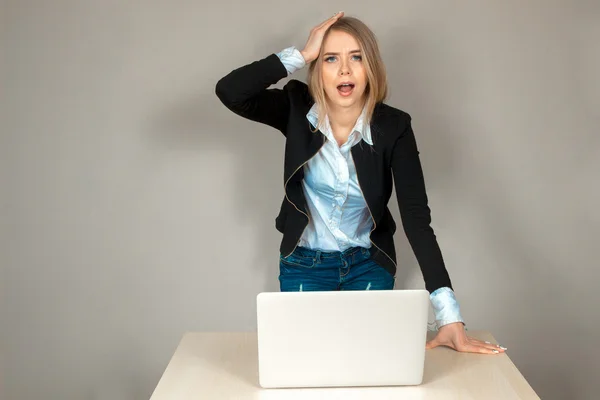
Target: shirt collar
(364,130)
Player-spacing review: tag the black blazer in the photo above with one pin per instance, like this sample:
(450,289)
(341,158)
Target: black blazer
(393,159)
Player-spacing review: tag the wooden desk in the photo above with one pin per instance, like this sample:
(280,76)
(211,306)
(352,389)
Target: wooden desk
(216,366)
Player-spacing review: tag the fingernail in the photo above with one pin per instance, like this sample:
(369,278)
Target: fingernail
(503,348)
(495,351)
(488,342)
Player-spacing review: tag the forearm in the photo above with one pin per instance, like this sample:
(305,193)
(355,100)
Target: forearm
(246,82)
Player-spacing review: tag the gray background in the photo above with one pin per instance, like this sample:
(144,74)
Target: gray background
(135,207)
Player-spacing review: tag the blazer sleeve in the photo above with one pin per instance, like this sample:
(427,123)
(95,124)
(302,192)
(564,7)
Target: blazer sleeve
(245,91)
(415,212)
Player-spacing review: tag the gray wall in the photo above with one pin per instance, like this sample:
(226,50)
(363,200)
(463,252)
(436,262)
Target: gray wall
(135,207)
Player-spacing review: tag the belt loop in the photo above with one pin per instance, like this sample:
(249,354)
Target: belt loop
(318,257)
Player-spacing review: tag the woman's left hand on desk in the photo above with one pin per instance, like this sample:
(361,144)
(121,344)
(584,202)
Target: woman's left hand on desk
(454,336)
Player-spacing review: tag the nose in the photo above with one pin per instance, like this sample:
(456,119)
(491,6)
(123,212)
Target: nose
(344,69)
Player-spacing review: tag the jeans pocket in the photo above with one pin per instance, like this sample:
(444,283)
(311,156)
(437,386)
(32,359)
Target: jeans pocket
(294,260)
(367,255)
(382,271)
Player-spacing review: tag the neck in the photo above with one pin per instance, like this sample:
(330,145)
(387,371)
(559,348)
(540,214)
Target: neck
(343,117)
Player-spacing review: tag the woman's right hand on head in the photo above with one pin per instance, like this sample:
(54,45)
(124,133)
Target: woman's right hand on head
(313,44)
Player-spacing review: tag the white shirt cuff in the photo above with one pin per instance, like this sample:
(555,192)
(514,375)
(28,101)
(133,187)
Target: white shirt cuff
(445,306)
(291,59)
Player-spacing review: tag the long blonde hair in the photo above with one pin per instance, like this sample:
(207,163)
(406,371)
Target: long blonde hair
(376,90)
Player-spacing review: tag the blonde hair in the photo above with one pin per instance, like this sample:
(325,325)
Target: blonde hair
(376,90)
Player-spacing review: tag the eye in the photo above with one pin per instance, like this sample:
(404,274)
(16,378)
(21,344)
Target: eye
(357,57)
(330,59)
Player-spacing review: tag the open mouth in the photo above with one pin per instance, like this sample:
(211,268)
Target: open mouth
(345,89)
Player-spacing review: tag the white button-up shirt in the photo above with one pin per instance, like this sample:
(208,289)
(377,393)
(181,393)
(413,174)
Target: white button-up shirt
(340,218)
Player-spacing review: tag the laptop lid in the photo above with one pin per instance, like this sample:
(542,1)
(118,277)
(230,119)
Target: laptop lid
(342,338)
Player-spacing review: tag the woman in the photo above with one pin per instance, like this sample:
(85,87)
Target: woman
(344,148)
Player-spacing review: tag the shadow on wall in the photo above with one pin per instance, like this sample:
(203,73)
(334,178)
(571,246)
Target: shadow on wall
(204,125)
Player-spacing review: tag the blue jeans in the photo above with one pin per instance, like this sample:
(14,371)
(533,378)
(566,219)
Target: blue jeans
(314,270)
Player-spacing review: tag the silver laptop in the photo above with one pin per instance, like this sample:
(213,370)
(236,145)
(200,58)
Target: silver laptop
(342,338)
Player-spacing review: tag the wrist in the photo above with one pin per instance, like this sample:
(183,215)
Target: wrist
(292,59)
(305,56)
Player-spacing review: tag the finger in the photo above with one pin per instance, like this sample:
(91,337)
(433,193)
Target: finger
(475,340)
(491,347)
(331,20)
(497,345)
(474,348)
(335,17)
(487,344)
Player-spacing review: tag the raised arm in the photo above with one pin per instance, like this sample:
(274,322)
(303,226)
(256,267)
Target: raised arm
(246,92)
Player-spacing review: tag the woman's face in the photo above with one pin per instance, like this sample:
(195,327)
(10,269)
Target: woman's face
(343,73)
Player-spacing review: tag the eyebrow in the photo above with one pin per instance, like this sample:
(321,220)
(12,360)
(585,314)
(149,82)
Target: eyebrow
(330,53)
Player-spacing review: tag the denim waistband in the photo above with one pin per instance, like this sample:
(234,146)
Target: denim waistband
(318,254)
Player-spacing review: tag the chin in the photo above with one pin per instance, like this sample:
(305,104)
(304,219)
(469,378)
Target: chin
(339,101)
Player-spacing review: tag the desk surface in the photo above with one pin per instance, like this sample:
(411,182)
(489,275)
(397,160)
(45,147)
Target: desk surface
(225,366)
